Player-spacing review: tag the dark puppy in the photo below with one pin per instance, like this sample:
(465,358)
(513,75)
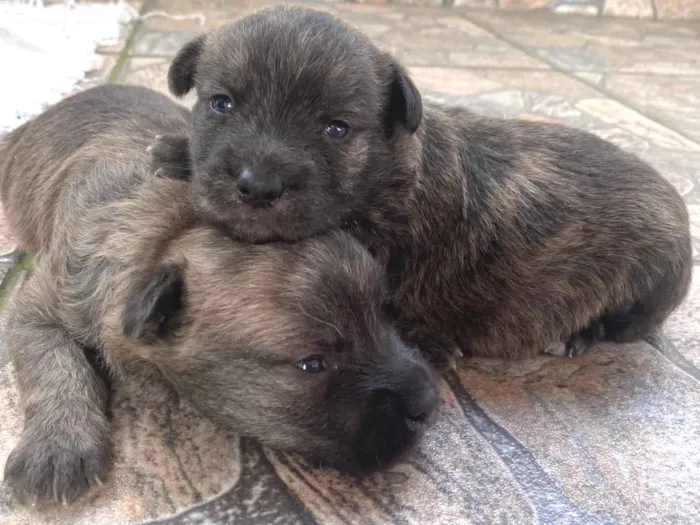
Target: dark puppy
(283,342)
(500,237)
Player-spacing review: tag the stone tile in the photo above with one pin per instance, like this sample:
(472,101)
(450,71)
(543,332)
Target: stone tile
(616,430)
(522,4)
(678,9)
(166,458)
(599,44)
(673,100)
(160,43)
(416,36)
(451,479)
(683,327)
(556,97)
(433,3)
(475,3)
(438,37)
(167,25)
(7,241)
(125,30)
(694,210)
(151,73)
(629,8)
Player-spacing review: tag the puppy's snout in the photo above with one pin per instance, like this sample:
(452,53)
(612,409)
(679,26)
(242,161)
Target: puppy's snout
(420,404)
(259,187)
(418,398)
(414,399)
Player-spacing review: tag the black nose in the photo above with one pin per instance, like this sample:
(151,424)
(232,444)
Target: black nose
(415,397)
(258,187)
(420,405)
(417,405)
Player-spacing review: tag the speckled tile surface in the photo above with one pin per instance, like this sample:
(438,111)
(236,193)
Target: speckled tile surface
(610,437)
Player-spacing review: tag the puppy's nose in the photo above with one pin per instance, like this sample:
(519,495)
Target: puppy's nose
(420,403)
(258,188)
(416,398)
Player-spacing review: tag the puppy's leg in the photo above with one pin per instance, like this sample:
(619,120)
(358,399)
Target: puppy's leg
(64,447)
(170,156)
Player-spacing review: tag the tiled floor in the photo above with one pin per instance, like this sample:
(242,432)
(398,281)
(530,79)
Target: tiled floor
(611,437)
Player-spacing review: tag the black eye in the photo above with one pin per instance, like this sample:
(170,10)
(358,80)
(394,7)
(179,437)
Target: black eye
(336,129)
(222,104)
(312,365)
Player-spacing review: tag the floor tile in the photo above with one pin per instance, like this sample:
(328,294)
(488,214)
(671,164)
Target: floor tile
(576,43)
(556,97)
(614,429)
(672,100)
(416,36)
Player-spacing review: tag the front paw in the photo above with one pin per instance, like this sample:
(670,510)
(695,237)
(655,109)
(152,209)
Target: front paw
(445,361)
(56,464)
(170,156)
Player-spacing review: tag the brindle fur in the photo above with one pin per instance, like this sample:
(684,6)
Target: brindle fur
(123,267)
(500,237)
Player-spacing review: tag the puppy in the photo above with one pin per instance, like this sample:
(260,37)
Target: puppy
(499,237)
(283,342)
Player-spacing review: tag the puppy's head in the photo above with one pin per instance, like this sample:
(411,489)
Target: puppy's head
(295,110)
(286,343)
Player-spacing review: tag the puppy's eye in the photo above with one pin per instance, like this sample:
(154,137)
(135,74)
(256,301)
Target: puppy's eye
(336,129)
(222,104)
(312,365)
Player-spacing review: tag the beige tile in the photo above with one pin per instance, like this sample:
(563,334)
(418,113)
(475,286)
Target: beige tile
(578,43)
(678,9)
(151,73)
(416,36)
(629,8)
(7,241)
(616,429)
(683,328)
(166,458)
(452,479)
(555,97)
(674,100)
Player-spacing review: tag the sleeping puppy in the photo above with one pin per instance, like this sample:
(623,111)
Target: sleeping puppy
(499,237)
(283,342)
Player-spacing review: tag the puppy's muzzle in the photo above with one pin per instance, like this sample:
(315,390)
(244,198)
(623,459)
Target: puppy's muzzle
(413,399)
(259,187)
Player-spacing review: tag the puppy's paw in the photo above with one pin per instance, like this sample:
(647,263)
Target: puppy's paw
(170,157)
(574,347)
(445,361)
(578,345)
(557,349)
(53,464)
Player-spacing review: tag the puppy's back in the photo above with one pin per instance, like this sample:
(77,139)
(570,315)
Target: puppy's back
(41,162)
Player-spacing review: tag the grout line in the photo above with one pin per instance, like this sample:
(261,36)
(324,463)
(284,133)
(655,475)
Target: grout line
(547,67)
(662,344)
(23,263)
(20,262)
(555,67)
(128,44)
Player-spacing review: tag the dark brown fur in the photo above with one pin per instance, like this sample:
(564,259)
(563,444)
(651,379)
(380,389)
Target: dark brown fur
(122,267)
(500,237)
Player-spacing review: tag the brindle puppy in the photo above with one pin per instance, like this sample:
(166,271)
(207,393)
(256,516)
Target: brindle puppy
(500,237)
(282,342)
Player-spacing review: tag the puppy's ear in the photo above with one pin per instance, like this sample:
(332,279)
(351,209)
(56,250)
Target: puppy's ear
(156,305)
(182,70)
(405,105)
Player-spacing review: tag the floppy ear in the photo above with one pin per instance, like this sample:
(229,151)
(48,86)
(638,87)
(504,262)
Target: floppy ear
(182,70)
(405,105)
(156,305)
